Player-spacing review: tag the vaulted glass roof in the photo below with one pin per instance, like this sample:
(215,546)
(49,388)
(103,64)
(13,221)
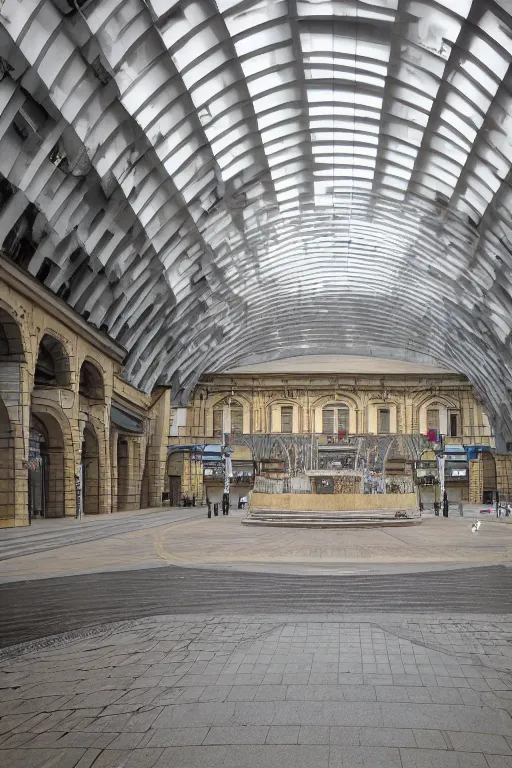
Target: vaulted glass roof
(218,181)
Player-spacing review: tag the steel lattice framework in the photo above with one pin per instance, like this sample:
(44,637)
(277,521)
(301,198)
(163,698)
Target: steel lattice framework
(216,182)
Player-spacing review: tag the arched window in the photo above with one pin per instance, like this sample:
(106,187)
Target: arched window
(453,423)
(335,419)
(52,367)
(11,345)
(91,382)
(383,421)
(228,417)
(432,419)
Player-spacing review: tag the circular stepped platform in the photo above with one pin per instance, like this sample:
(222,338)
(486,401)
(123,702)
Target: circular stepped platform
(332,519)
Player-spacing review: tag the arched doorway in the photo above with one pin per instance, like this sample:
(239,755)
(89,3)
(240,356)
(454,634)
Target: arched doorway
(90,471)
(46,476)
(52,366)
(123,474)
(144,489)
(489,480)
(175,468)
(7,496)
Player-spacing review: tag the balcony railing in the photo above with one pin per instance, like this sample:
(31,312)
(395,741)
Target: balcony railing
(323,439)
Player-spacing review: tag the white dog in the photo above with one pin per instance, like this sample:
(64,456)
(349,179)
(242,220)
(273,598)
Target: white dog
(476,526)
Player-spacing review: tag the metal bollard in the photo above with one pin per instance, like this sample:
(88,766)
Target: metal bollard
(216,510)
(209,505)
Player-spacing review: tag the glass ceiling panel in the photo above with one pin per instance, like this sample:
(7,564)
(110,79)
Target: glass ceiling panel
(312,145)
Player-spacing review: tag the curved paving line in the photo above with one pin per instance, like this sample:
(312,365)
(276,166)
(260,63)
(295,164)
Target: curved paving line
(497,558)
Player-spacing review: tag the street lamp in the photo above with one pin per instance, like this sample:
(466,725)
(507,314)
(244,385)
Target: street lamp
(228,472)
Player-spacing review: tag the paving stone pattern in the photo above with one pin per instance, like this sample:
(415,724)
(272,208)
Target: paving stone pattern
(28,611)
(270,691)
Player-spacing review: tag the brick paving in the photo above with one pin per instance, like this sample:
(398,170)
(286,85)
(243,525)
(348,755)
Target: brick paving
(267,691)
(421,679)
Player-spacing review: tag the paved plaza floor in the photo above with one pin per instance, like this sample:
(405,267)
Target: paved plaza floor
(173,641)
(185,537)
(306,691)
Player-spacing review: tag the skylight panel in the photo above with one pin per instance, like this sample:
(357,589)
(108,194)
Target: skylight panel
(462,7)
(398,158)
(284,156)
(204,93)
(205,67)
(177,158)
(391,170)
(350,138)
(343,111)
(254,16)
(350,62)
(276,99)
(343,124)
(287,129)
(339,149)
(412,96)
(480,75)
(471,93)
(353,159)
(497,29)
(224,123)
(340,95)
(459,123)
(271,80)
(355,76)
(382,10)
(262,62)
(284,143)
(196,47)
(444,129)
(234,136)
(340,173)
(494,61)
(265,38)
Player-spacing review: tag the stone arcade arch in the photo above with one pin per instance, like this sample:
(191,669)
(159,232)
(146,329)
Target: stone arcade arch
(52,365)
(13,376)
(7,468)
(91,384)
(55,485)
(489,478)
(11,343)
(90,471)
(123,473)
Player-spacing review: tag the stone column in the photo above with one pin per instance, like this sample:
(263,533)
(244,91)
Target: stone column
(113,463)
(157,448)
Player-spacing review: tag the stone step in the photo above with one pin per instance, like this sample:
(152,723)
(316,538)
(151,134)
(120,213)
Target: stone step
(328,514)
(312,522)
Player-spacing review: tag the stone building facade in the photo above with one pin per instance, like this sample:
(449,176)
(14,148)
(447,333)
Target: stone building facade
(329,406)
(73,432)
(370,404)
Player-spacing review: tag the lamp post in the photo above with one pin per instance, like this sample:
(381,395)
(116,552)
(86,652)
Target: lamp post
(226,453)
